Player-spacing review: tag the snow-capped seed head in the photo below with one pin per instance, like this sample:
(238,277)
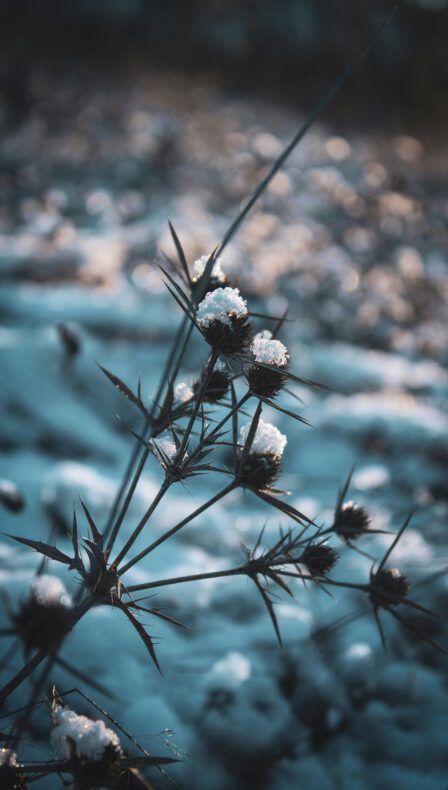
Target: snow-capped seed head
(8,757)
(164,449)
(221,305)
(217,272)
(264,334)
(260,471)
(183,392)
(10,776)
(268,440)
(216,388)
(319,558)
(49,590)
(389,584)
(222,317)
(91,738)
(270,352)
(351,521)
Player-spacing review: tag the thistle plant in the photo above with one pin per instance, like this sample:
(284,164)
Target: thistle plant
(185,429)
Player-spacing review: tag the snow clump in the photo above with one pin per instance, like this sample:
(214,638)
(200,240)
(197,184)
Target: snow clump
(165,449)
(183,392)
(49,591)
(270,352)
(268,440)
(221,305)
(91,737)
(217,271)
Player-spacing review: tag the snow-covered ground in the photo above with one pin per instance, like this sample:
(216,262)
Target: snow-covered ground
(352,235)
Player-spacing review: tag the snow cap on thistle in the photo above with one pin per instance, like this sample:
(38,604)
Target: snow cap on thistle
(10,776)
(268,440)
(266,379)
(223,319)
(262,463)
(218,277)
(183,392)
(164,449)
(49,591)
(92,739)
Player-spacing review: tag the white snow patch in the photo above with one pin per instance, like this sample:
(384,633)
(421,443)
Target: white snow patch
(165,448)
(91,737)
(230,671)
(265,334)
(183,392)
(217,271)
(374,476)
(220,305)
(49,590)
(7,757)
(268,440)
(271,352)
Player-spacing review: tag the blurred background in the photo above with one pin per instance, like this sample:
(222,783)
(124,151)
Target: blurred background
(114,117)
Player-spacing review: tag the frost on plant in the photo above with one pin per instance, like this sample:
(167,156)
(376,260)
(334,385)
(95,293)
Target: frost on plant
(221,305)
(271,352)
(183,392)
(90,738)
(268,440)
(50,591)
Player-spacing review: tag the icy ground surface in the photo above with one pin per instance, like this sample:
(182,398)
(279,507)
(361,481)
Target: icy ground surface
(353,236)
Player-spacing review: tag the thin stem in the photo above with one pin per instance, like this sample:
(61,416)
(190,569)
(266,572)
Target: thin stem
(178,526)
(195,577)
(143,521)
(213,358)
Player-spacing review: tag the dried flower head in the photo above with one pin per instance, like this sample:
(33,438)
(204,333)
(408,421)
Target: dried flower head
(223,319)
(45,616)
(262,463)
(388,585)
(217,386)
(10,776)
(351,521)
(267,379)
(319,558)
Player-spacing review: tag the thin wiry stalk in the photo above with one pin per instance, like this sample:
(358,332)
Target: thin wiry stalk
(143,521)
(178,526)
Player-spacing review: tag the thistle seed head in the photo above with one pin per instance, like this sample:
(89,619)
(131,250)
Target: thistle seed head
(319,558)
(389,582)
(10,776)
(351,521)
(268,380)
(260,471)
(223,319)
(216,388)
(228,338)
(45,616)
